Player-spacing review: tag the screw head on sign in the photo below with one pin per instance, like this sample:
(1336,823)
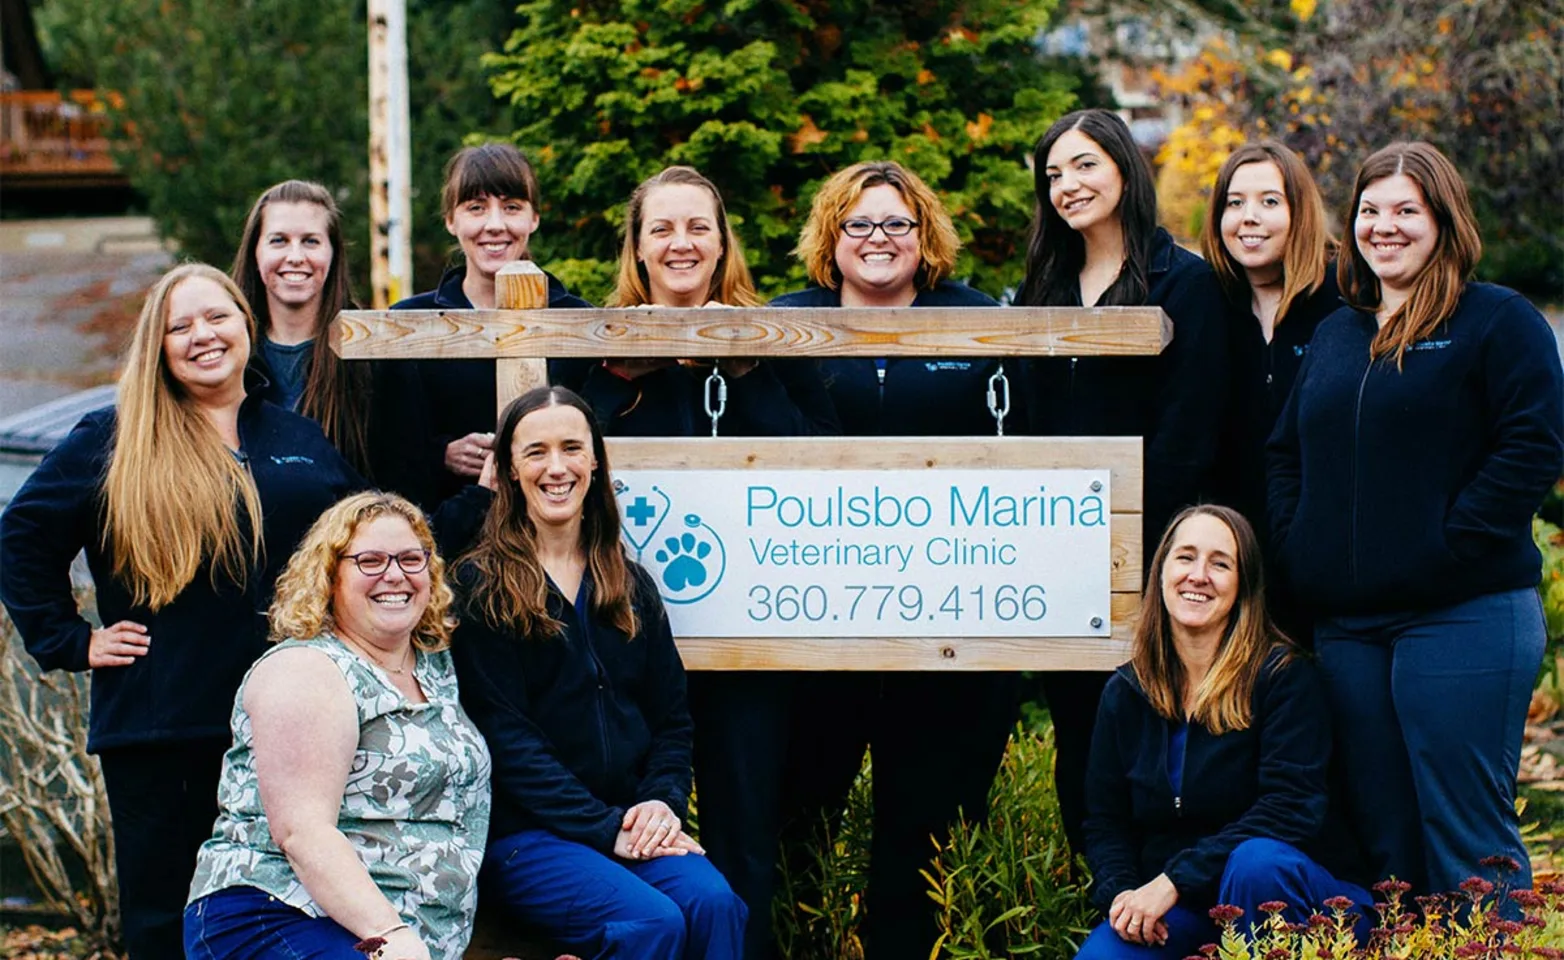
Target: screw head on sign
(1096,486)
(1096,623)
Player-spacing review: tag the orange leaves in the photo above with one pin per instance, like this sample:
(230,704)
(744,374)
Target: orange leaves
(925,77)
(806,136)
(977,130)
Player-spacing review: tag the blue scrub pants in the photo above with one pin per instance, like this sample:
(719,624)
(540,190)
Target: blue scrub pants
(1257,871)
(667,908)
(1429,707)
(243,923)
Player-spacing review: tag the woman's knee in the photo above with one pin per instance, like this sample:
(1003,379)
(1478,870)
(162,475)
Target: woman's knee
(1258,861)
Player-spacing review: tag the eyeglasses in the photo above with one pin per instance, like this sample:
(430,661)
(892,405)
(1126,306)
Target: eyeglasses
(859,228)
(373,563)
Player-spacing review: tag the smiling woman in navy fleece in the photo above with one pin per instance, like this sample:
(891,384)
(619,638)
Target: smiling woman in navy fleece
(188,502)
(1095,242)
(1207,776)
(1426,426)
(877,236)
(568,668)
(490,201)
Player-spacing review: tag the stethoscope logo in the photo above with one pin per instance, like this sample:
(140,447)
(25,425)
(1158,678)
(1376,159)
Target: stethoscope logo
(688,560)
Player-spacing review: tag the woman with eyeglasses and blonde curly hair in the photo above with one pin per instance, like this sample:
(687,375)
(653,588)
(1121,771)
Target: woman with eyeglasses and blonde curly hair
(354,804)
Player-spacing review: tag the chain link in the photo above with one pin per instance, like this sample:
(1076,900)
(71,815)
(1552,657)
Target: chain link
(716,410)
(999,387)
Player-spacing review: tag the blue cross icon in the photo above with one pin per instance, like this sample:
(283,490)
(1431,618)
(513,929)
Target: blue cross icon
(640,511)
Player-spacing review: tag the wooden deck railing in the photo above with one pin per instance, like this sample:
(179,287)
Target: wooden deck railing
(46,137)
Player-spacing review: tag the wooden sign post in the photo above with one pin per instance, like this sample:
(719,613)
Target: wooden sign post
(927,627)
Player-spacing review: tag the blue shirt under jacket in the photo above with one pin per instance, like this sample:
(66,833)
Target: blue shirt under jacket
(583,725)
(1412,488)
(1174,401)
(918,396)
(203,642)
(461,394)
(1264,781)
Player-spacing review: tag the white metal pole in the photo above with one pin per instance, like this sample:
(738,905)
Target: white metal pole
(390,146)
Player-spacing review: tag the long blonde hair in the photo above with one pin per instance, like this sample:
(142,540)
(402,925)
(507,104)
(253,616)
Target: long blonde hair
(731,282)
(301,608)
(1222,702)
(175,497)
(1436,291)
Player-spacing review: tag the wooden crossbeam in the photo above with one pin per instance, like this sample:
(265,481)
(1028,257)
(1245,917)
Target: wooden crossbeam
(752,332)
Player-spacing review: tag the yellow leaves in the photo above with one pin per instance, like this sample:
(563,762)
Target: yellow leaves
(1280,59)
(1303,9)
(1303,73)
(806,136)
(977,131)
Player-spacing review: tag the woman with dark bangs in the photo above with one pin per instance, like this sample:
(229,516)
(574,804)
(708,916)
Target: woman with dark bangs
(568,667)
(1207,777)
(1425,428)
(1095,242)
(491,203)
(292,266)
(1266,238)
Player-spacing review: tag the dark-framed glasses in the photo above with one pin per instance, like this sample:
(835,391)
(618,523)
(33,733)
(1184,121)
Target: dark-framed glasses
(859,227)
(373,563)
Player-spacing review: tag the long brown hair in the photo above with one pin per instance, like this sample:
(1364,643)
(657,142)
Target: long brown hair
(1309,244)
(511,592)
(1222,702)
(1436,291)
(175,497)
(336,393)
(938,242)
(731,282)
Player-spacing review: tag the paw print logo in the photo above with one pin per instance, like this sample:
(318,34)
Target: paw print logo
(689,565)
(684,557)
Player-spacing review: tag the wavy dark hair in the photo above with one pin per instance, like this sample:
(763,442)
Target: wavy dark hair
(1223,701)
(511,588)
(1056,253)
(337,394)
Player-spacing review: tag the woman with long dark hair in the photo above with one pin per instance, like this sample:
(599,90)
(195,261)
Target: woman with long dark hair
(568,667)
(1095,242)
(1426,427)
(292,267)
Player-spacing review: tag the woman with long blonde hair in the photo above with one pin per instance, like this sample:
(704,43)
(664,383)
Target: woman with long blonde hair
(1206,782)
(187,500)
(1426,426)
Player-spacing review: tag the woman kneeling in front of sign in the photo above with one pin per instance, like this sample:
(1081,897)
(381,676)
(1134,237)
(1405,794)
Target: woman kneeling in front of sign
(568,667)
(1207,775)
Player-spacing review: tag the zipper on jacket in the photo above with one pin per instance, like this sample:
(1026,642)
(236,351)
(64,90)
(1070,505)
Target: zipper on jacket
(601,676)
(1357,425)
(1183,772)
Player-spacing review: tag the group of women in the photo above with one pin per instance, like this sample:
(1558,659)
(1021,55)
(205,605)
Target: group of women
(518,726)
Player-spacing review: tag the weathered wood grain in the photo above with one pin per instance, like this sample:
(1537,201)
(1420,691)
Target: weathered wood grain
(751,332)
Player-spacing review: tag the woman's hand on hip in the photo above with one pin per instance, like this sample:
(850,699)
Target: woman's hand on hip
(118,646)
(1136,915)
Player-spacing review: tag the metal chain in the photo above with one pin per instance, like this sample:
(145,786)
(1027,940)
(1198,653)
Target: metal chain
(999,387)
(715,412)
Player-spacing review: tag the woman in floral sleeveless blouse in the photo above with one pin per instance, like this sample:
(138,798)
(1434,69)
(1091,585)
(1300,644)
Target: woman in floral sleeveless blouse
(354,802)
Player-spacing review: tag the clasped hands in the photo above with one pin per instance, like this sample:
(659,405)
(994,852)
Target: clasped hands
(1137,915)
(650,829)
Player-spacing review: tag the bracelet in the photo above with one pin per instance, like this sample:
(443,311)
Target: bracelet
(391,929)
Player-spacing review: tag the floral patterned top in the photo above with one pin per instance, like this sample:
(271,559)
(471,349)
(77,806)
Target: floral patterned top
(416,806)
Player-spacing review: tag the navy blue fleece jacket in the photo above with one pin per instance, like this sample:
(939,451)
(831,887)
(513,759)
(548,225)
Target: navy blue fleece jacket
(918,396)
(1174,400)
(580,726)
(1401,489)
(460,394)
(1265,781)
(202,642)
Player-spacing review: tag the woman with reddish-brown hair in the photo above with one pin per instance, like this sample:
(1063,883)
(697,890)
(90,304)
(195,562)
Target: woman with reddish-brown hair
(1426,426)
